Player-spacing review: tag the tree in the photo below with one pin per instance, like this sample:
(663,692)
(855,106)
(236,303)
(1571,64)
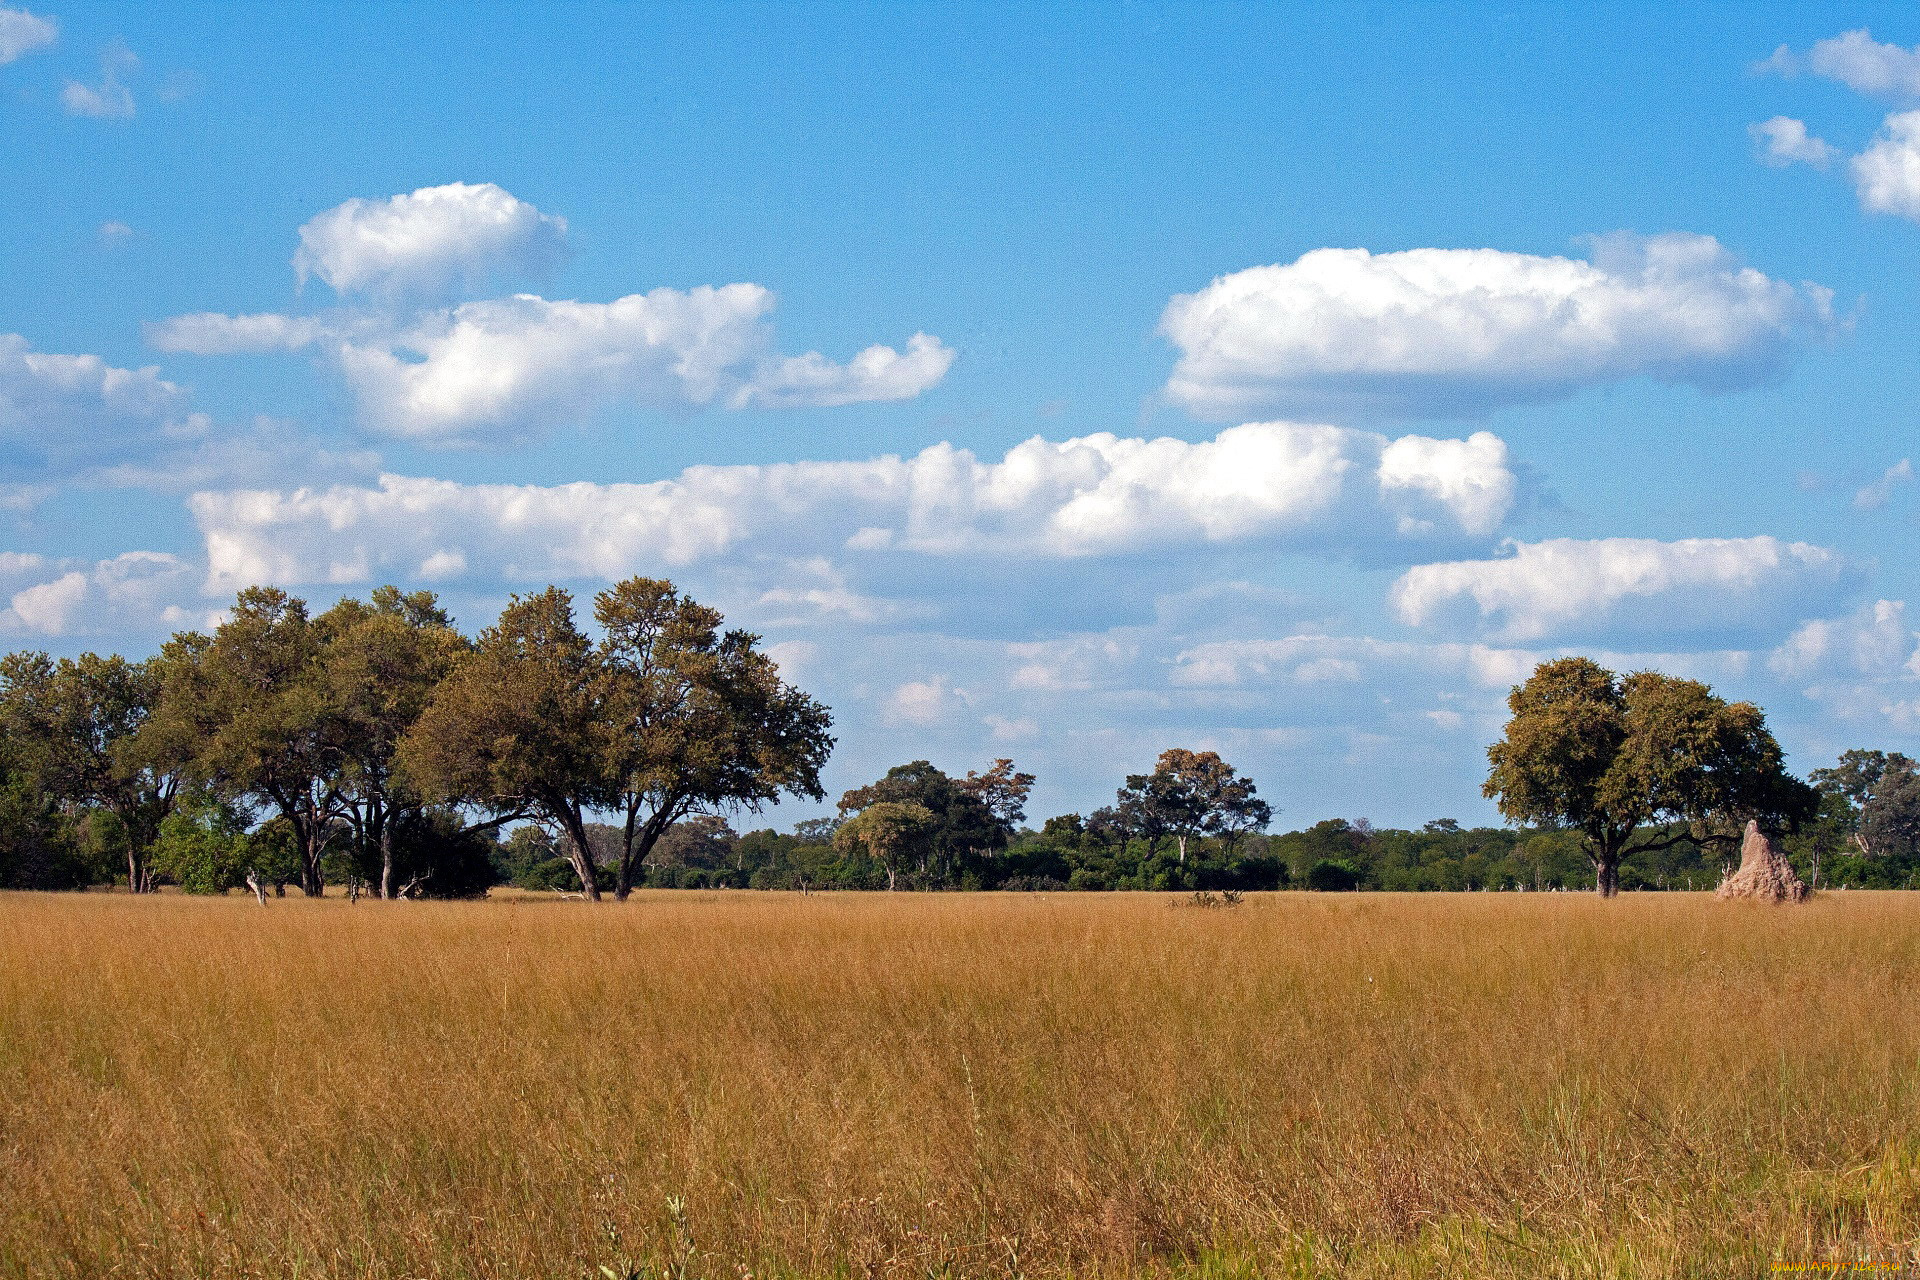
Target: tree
(663,718)
(74,727)
(966,823)
(893,833)
(519,727)
(703,840)
(36,848)
(697,720)
(437,855)
(1191,794)
(1637,763)
(1001,791)
(381,663)
(1882,789)
(816,830)
(247,713)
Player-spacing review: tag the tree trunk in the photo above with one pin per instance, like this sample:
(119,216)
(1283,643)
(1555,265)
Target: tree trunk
(259,890)
(623,874)
(580,853)
(141,833)
(1606,876)
(313,844)
(890,879)
(1183,849)
(386,857)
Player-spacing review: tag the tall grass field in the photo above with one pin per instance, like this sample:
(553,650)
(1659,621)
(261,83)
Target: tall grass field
(915,1085)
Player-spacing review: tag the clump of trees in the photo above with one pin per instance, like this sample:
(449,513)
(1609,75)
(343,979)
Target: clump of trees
(374,745)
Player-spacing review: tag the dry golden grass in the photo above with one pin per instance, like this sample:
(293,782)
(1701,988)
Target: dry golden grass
(915,1085)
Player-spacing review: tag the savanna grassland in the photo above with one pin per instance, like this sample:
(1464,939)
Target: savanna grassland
(940,1084)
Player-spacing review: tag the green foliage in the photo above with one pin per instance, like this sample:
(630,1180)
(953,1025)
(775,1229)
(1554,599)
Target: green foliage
(1867,832)
(897,834)
(1328,876)
(665,718)
(73,731)
(203,846)
(37,850)
(970,819)
(1637,763)
(249,715)
(519,726)
(369,736)
(1188,796)
(274,851)
(700,719)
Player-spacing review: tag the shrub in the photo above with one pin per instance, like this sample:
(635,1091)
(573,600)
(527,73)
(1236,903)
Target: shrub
(1329,876)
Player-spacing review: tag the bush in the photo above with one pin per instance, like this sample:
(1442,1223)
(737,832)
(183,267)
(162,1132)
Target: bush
(441,859)
(1329,876)
(1032,884)
(558,874)
(203,847)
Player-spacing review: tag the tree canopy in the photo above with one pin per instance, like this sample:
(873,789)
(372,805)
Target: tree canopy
(969,818)
(665,717)
(1188,795)
(1639,762)
(73,729)
(247,714)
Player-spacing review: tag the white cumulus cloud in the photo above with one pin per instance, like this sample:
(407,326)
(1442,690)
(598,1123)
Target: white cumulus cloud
(1876,495)
(209,333)
(1857,60)
(1442,332)
(1312,658)
(1284,485)
(1887,174)
(504,368)
(1784,141)
(22,32)
(429,239)
(1874,640)
(63,412)
(509,365)
(878,373)
(501,369)
(135,591)
(922,702)
(1637,588)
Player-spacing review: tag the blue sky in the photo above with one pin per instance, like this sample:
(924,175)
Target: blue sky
(1111,439)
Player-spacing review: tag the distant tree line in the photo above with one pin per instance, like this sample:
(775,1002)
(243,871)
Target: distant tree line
(375,749)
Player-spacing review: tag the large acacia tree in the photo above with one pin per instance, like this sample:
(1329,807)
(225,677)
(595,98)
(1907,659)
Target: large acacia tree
(696,720)
(666,716)
(518,727)
(1637,762)
(894,833)
(247,714)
